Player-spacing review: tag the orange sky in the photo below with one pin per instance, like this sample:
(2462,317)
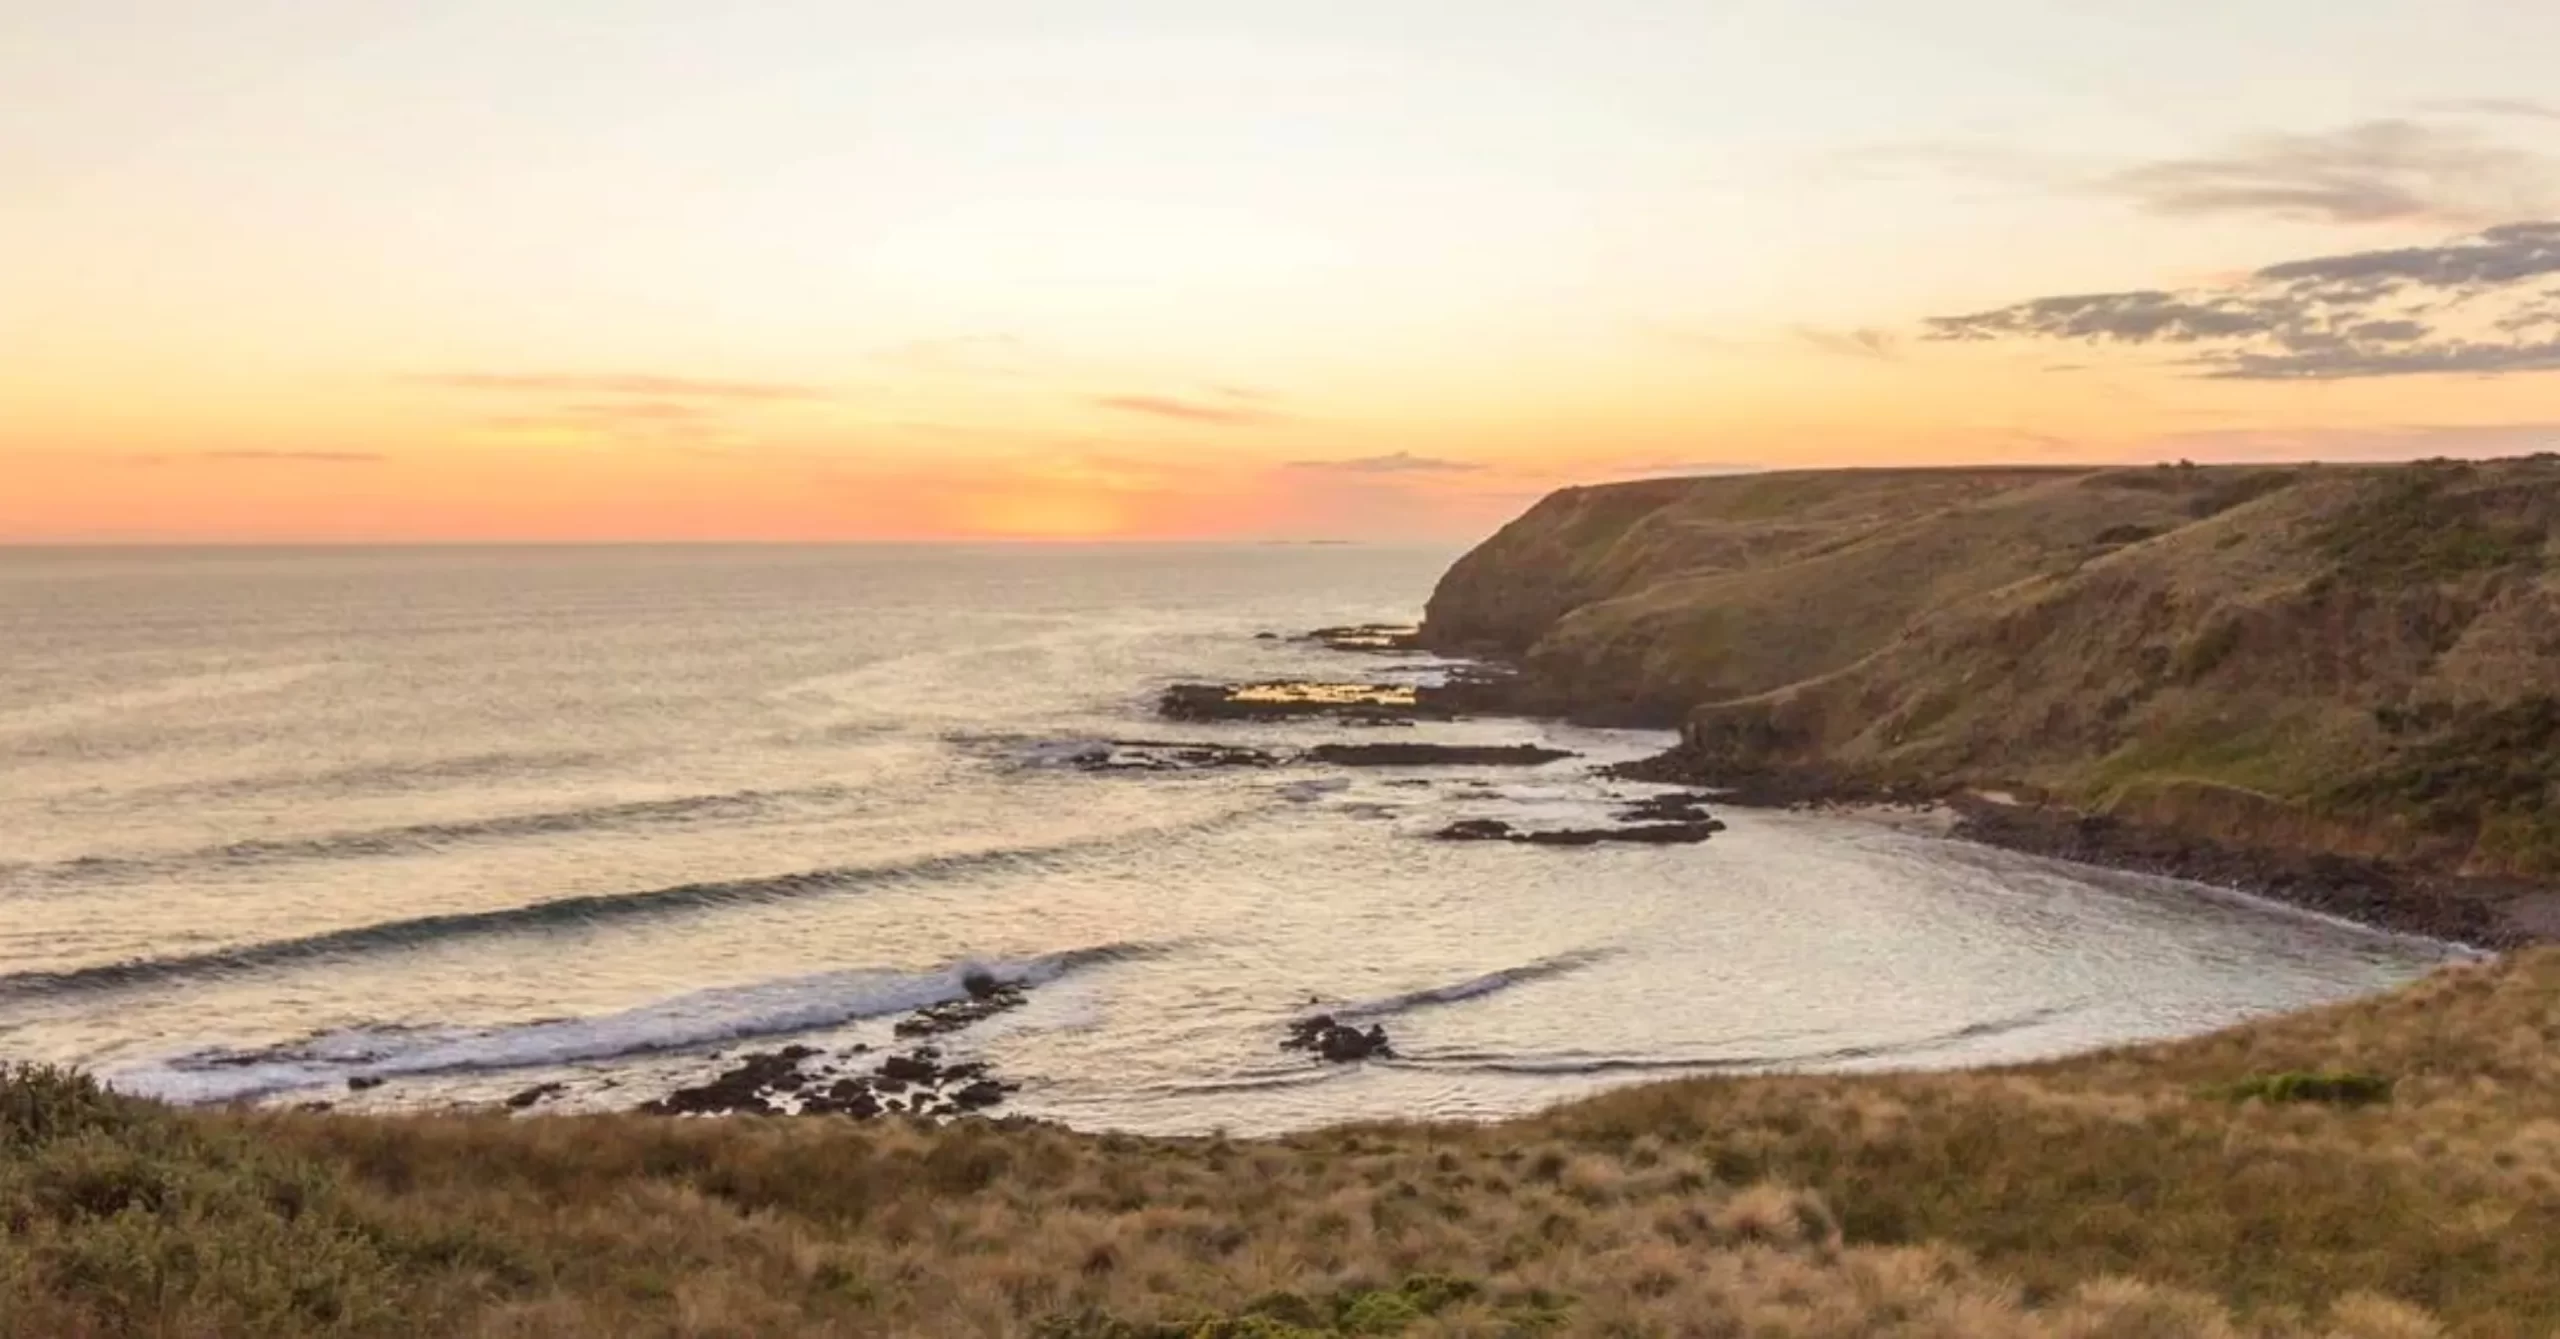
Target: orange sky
(645,270)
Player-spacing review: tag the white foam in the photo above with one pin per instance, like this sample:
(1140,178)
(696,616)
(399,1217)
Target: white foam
(1472,988)
(699,1018)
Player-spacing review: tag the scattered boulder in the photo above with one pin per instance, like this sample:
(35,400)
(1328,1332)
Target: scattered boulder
(357,1083)
(535,1094)
(1337,1042)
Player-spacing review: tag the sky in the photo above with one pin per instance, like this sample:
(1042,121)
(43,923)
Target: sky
(1387,270)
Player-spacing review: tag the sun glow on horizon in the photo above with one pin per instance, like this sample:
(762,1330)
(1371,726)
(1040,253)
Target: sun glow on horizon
(1072,272)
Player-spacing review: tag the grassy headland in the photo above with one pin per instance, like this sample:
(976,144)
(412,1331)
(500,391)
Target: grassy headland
(2386,1169)
(2349,661)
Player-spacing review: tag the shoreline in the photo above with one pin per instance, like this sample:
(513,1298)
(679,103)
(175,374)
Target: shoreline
(2479,913)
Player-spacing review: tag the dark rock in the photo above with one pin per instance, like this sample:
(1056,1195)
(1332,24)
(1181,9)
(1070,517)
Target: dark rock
(917,1068)
(978,1096)
(987,998)
(740,1090)
(1156,755)
(1337,1042)
(357,1083)
(1650,834)
(1674,807)
(1434,755)
(535,1094)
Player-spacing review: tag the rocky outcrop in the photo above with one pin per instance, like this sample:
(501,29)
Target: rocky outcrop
(2312,659)
(1675,819)
(800,1080)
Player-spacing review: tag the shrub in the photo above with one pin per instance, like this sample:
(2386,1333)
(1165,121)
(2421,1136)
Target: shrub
(2334,1088)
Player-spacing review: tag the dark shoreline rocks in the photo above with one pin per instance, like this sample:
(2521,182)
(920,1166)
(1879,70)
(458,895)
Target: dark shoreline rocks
(1434,755)
(2488,913)
(1678,818)
(1149,755)
(1642,834)
(915,1083)
(2480,912)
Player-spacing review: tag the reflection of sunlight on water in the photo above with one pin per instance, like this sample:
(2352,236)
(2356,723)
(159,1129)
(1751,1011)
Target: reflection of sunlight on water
(1325,694)
(891,697)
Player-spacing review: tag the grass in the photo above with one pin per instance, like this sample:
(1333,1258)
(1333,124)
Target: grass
(2412,525)
(2121,1194)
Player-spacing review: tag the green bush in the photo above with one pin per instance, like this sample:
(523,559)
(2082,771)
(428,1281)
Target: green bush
(2334,1088)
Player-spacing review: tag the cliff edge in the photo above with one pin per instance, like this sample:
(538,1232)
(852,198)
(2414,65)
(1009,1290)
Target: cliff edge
(2359,661)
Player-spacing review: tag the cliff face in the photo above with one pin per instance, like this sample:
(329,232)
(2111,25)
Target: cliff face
(2360,659)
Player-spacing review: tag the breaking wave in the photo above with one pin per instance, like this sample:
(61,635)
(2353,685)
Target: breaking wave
(727,806)
(699,1018)
(559,914)
(1474,987)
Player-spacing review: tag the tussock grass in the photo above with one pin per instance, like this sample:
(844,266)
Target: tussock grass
(2117,1194)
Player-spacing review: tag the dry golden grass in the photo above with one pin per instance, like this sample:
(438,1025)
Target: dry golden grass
(2122,1195)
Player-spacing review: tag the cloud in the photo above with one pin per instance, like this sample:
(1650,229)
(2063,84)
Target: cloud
(1402,462)
(2373,172)
(300,457)
(2394,442)
(1676,469)
(2486,304)
(1231,415)
(2524,107)
(648,384)
(252,456)
(1882,345)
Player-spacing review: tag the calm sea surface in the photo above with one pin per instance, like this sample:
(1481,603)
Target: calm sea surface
(471,819)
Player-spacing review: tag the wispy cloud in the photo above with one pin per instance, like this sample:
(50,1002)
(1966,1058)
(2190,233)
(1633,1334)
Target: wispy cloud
(2394,442)
(252,456)
(300,457)
(1676,469)
(1401,462)
(1881,345)
(2524,107)
(1228,413)
(2486,303)
(2376,171)
(648,384)
(2392,169)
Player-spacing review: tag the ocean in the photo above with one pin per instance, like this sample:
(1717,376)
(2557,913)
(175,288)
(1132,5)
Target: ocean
(455,822)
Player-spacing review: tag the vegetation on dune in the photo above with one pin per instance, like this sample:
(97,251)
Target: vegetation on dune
(2249,1183)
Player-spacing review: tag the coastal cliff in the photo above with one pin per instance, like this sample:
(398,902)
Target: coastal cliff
(2339,661)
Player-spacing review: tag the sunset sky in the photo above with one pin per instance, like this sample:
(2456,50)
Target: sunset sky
(637,269)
